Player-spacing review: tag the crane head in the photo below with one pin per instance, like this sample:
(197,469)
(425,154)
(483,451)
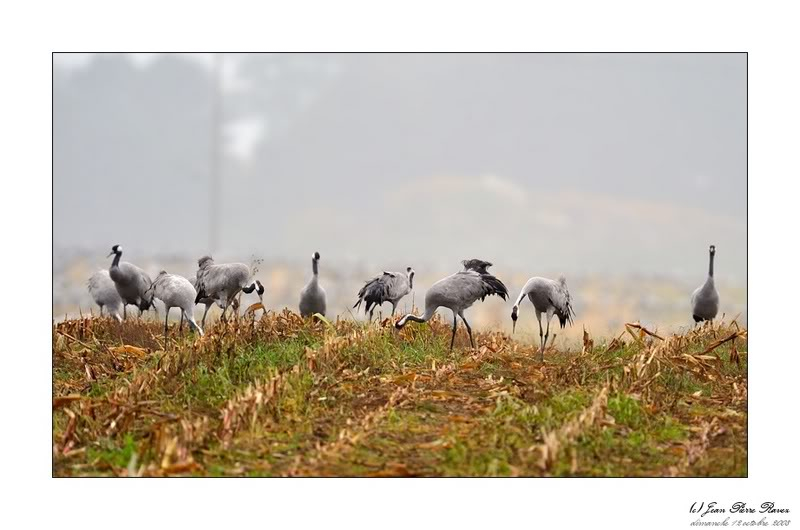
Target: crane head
(147,303)
(514,318)
(260,291)
(151,289)
(315,256)
(712,249)
(116,249)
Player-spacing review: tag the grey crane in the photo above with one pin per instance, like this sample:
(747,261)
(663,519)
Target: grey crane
(547,296)
(705,299)
(208,302)
(224,281)
(457,292)
(312,297)
(386,287)
(104,293)
(175,291)
(131,282)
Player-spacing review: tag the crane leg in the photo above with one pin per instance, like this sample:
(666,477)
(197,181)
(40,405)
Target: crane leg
(546,334)
(181,326)
(224,300)
(469,329)
(541,343)
(166,328)
(204,315)
(370,314)
(455,323)
(125,311)
(394,306)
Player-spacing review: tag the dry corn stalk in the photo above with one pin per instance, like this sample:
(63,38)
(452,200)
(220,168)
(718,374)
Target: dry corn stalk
(588,343)
(630,326)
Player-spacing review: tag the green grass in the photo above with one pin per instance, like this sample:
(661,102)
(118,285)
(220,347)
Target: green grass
(626,410)
(209,386)
(684,383)
(385,352)
(109,453)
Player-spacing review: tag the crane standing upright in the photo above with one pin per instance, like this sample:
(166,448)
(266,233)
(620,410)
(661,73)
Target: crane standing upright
(312,297)
(705,299)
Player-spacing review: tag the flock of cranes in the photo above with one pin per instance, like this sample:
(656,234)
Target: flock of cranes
(126,284)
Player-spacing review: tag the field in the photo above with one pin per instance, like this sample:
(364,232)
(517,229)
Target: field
(283,396)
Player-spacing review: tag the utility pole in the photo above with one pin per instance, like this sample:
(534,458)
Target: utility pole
(214,190)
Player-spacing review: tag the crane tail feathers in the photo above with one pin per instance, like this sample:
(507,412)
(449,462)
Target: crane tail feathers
(494,286)
(477,265)
(566,317)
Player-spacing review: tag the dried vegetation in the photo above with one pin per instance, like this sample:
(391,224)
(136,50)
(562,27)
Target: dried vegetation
(283,396)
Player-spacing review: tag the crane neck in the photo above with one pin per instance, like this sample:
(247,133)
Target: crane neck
(710,265)
(315,267)
(429,312)
(414,318)
(520,297)
(117,256)
(524,292)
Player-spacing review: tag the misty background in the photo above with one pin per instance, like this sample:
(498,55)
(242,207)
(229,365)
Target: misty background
(616,169)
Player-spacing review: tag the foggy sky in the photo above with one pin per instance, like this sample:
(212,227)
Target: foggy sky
(632,163)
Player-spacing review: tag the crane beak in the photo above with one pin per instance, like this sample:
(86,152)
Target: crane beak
(110,254)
